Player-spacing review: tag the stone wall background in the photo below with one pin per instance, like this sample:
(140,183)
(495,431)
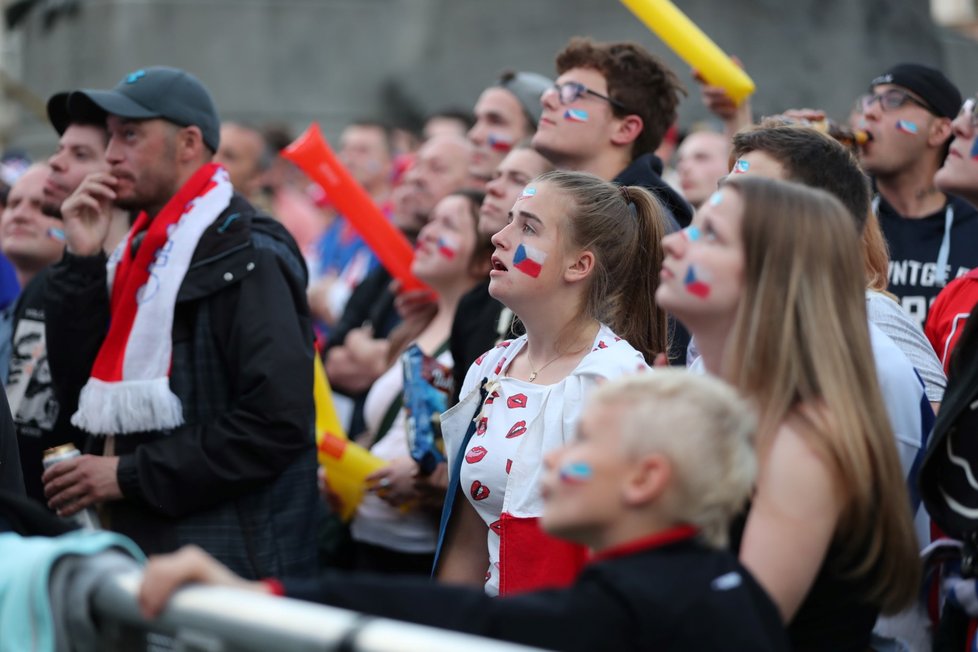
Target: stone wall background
(335,60)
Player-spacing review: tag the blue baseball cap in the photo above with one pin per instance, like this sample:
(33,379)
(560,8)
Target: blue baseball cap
(156,92)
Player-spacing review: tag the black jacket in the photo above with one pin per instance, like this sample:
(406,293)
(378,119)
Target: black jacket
(38,419)
(946,486)
(239,478)
(11,476)
(646,171)
(680,596)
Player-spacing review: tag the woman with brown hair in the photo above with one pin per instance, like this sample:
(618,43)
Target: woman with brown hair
(392,530)
(769,280)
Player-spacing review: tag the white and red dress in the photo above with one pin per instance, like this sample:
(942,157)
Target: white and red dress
(502,466)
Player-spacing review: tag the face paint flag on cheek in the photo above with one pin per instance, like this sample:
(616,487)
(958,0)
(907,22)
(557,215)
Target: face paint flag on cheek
(56,234)
(576,115)
(694,285)
(529,260)
(906,126)
(974,149)
(447,247)
(529,191)
(500,143)
(716,198)
(741,166)
(575,473)
(692,233)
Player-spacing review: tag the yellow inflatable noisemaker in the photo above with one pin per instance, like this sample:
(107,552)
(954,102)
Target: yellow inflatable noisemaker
(692,46)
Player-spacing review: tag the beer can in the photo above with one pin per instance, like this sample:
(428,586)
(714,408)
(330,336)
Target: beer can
(86,518)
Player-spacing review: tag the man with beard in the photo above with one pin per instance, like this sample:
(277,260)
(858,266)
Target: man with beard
(188,373)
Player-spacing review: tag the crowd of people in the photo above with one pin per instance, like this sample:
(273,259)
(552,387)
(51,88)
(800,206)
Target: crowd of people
(631,408)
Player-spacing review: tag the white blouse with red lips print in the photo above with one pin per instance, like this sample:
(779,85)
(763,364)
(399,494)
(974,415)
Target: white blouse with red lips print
(520,422)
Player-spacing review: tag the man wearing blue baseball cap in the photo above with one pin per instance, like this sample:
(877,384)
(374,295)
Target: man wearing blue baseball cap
(908,112)
(187,353)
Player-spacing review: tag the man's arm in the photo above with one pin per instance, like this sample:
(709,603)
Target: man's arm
(588,617)
(76,319)
(76,301)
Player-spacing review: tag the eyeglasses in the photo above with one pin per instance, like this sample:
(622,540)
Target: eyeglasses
(570,91)
(970,108)
(892,99)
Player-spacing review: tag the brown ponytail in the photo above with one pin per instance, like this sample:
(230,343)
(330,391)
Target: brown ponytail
(623,228)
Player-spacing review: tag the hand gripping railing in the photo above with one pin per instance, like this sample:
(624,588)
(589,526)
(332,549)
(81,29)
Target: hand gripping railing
(218,619)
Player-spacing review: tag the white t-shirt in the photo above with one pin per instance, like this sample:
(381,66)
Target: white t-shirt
(906,333)
(519,424)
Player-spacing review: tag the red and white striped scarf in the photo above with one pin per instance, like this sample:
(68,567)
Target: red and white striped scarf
(129,388)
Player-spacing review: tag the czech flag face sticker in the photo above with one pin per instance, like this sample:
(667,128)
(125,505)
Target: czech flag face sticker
(576,473)
(500,143)
(906,126)
(529,260)
(447,247)
(576,115)
(695,284)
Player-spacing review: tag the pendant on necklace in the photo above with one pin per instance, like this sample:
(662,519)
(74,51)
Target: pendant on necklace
(533,376)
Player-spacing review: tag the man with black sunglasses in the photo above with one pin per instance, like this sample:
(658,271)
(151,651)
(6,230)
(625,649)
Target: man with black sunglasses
(908,113)
(608,112)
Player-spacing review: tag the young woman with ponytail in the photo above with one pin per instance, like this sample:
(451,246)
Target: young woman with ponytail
(575,264)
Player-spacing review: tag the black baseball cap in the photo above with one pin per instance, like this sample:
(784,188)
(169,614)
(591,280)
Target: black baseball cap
(930,84)
(156,92)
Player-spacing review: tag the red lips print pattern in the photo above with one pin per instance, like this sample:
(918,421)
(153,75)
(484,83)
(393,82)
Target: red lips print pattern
(480,428)
(475,454)
(478,491)
(518,429)
(516,401)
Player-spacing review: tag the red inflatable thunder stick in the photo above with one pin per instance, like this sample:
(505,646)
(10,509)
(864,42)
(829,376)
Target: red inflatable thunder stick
(313,155)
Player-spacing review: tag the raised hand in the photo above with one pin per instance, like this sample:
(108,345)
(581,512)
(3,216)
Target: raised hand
(87,214)
(734,116)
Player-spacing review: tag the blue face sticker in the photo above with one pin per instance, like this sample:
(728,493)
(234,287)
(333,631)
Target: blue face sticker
(576,472)
(692,232)
(716,198)
(134,77)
